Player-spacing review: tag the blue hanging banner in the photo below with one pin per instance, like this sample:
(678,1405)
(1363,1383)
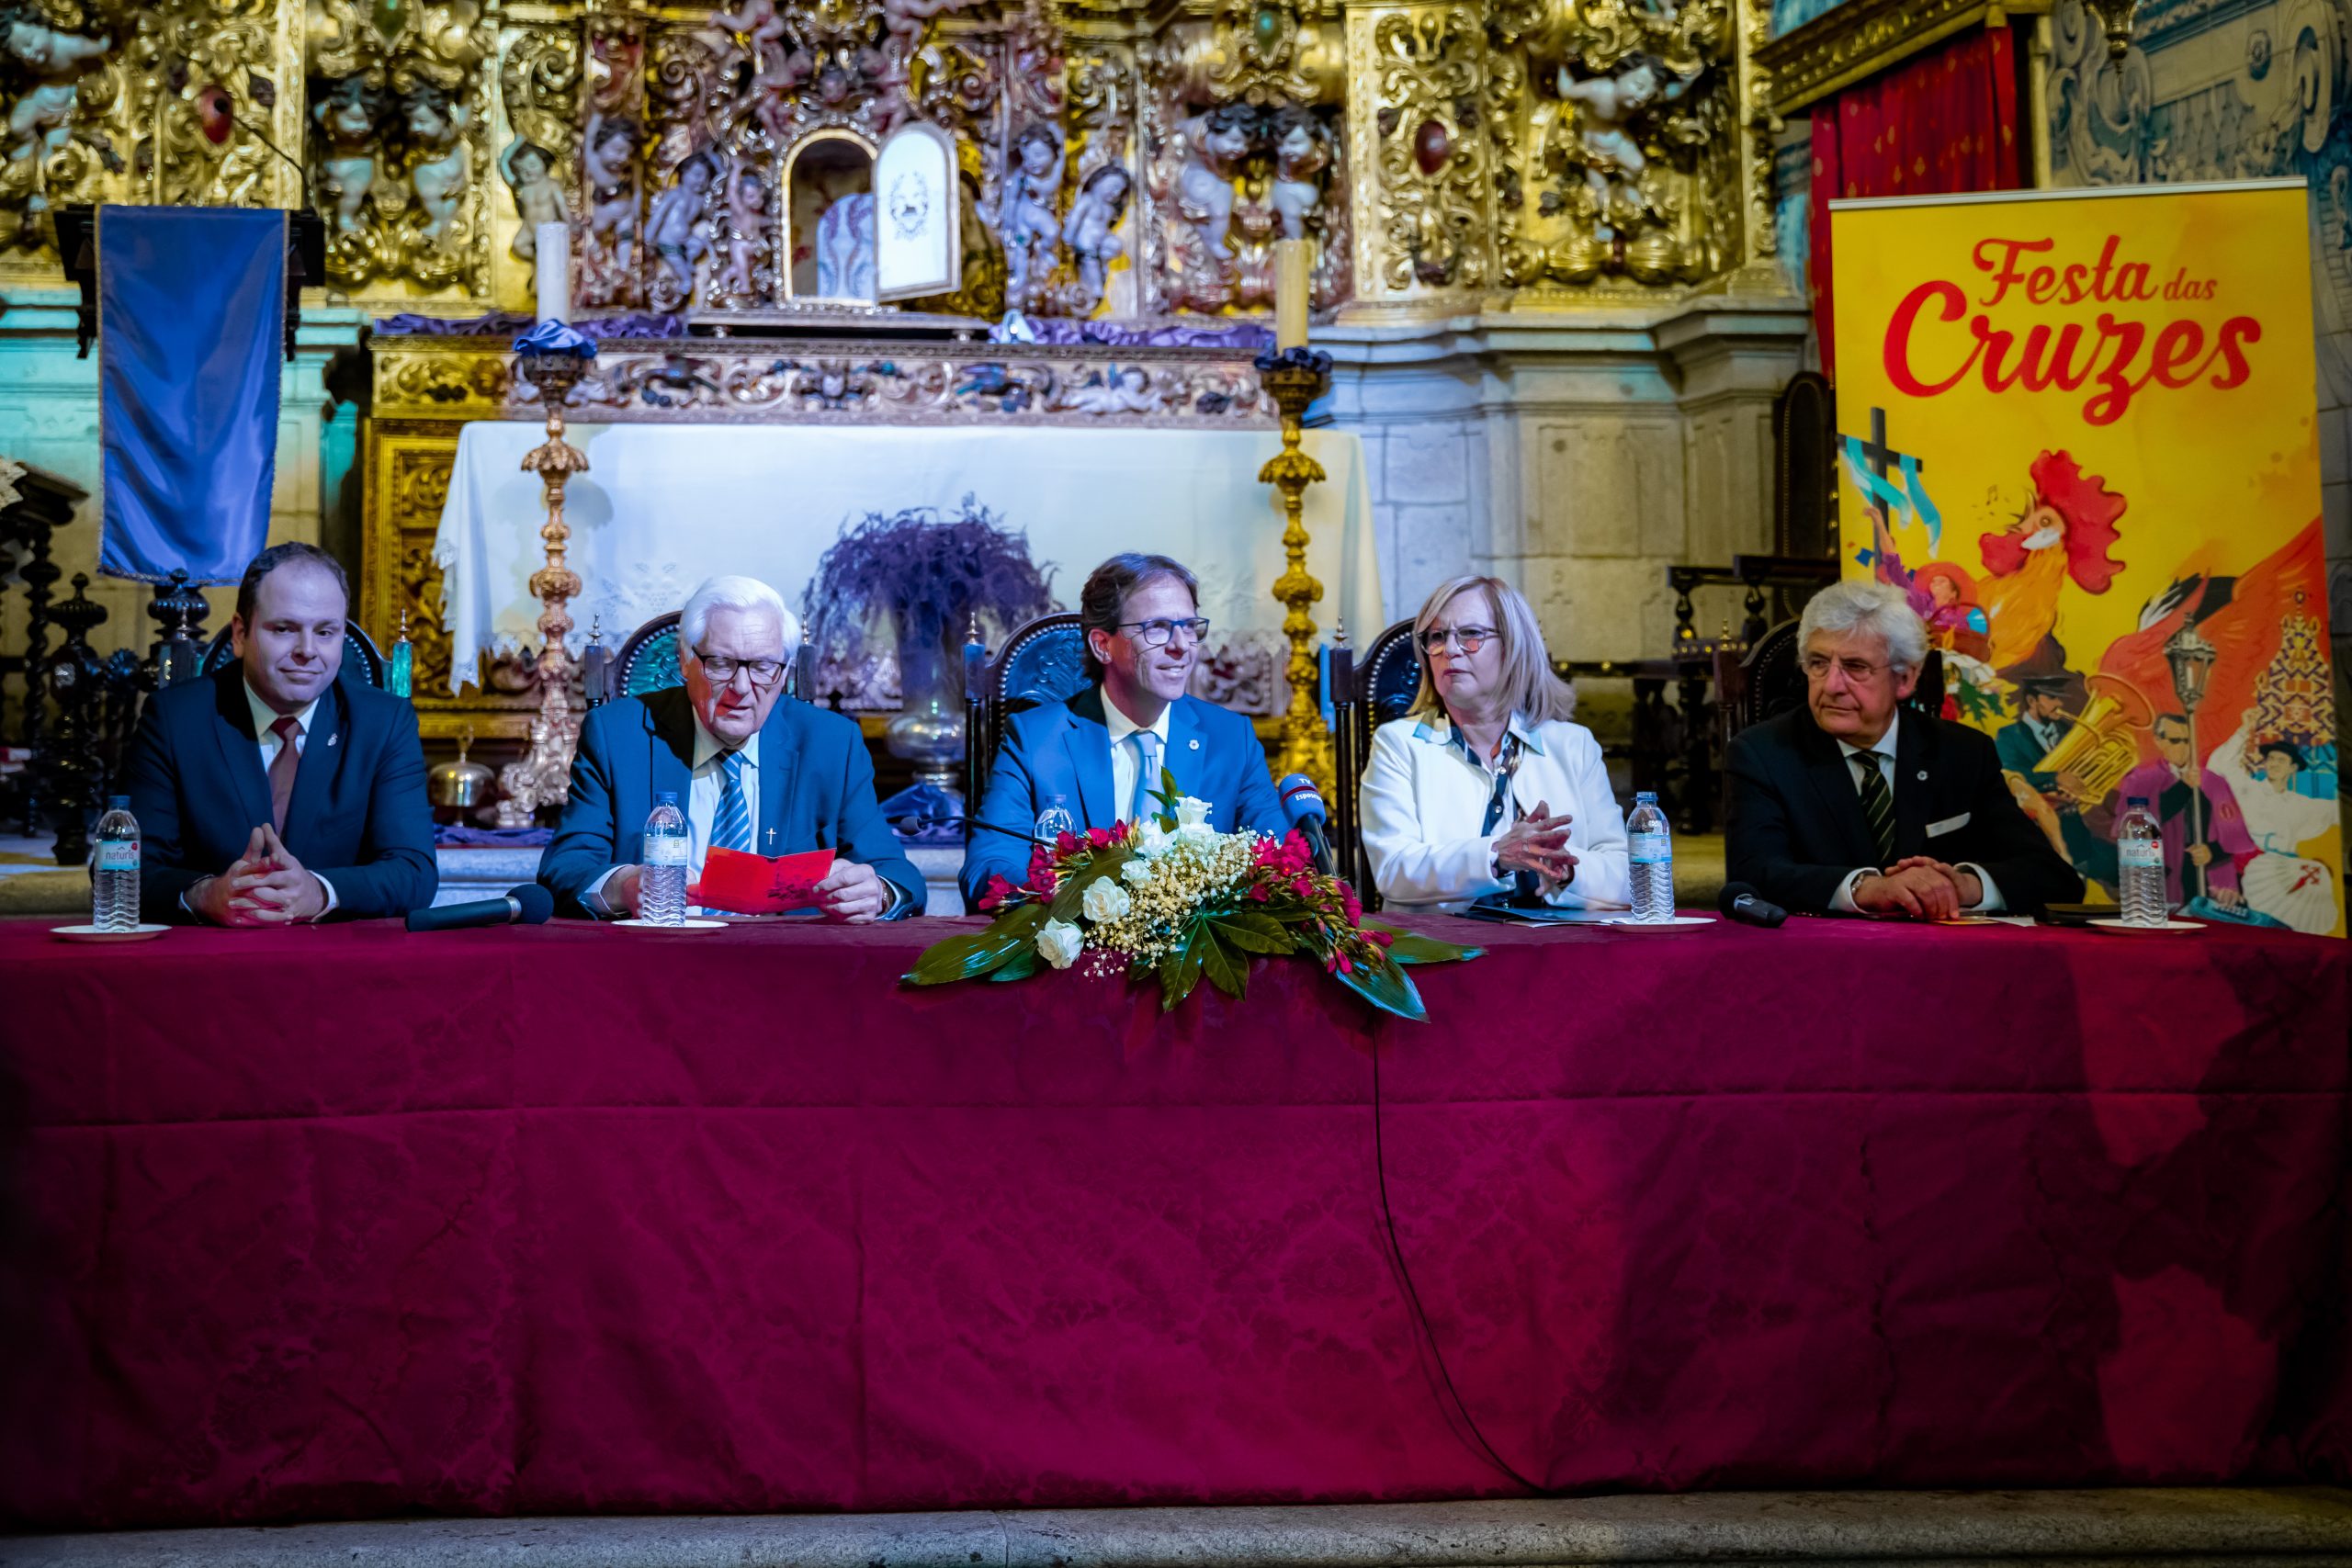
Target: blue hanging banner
(191,323)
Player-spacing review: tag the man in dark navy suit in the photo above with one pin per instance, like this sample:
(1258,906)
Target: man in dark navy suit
(754,769)
(271,793)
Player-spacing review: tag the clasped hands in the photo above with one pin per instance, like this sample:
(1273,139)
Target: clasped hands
(1538,843)
(263,886)
(1921,887)
(851,893)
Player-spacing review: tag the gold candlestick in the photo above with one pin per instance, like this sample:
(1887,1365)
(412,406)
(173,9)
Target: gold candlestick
(1293,378)
(543,777)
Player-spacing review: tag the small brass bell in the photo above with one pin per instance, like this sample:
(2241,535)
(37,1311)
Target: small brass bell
(460,785)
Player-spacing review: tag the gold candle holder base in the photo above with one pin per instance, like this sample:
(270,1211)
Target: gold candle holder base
(543,777)
(1294,378)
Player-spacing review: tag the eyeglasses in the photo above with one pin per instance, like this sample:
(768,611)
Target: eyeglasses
(1469,640)
(1155,634)
(1817,666)
(764,672)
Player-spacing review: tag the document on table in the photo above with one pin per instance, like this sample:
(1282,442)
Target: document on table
(1544,914)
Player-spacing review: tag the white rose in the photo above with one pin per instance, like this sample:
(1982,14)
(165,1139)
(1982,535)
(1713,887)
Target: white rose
(1058,942)
(1150,836)
(1105,900)
(1137,872)
(1192,812)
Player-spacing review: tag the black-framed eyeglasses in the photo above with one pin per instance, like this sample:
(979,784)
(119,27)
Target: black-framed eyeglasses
(764,672)
(1155,633)
(1469,640)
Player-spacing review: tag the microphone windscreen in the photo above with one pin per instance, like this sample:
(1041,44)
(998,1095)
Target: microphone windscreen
(1301,800)
(1731,894)
(536,902)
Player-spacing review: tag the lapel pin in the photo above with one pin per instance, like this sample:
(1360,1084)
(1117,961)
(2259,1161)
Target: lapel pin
(1923,776)
(1195,743)
(333,738)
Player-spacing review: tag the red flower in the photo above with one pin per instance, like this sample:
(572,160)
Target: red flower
(1303,889)
(1099,838)
(999,890)
(1042,878)
(1385,938)
(1067,843)
(1258,893)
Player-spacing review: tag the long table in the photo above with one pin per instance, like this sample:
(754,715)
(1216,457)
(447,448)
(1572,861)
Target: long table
(343,1222)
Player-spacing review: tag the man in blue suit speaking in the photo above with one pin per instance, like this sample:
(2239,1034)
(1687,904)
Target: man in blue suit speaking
(753,768)
(273,793)
(1103,751)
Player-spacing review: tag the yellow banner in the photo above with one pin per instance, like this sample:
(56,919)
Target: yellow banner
(2079,428)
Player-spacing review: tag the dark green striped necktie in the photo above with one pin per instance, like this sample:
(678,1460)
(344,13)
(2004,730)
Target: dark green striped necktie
(1878,805)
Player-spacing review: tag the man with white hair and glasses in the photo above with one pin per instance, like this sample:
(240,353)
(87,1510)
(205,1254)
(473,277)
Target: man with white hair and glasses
(753,768)
(1849,806)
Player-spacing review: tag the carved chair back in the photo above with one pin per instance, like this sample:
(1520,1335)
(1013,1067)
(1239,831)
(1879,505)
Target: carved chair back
(1368,694)
(1043,661)
(648,661)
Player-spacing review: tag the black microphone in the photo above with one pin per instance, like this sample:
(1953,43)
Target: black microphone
(1744,904)
(528,905)
(1303,804)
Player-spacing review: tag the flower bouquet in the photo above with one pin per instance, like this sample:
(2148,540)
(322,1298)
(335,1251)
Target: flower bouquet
(1173,899)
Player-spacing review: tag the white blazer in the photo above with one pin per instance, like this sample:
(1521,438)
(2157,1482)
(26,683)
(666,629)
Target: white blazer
(1424,801)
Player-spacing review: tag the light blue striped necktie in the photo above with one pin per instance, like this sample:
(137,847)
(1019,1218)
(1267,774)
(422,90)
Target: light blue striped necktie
(1147,745)
(731,826)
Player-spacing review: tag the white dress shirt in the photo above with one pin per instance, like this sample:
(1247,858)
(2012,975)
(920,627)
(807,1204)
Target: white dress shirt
(1123,756)
(704,784)
(1425,801)
(265,718)
(1881,754)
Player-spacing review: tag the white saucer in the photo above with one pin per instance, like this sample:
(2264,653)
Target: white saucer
(2134,931)
(1678,923)
(92,933)
(691,925)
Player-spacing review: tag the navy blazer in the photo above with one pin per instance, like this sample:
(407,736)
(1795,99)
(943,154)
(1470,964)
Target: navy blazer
(1796,828)
(815,792)
(358,816)
(1065,749)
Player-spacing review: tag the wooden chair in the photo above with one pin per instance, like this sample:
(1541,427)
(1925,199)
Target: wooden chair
(648,661)
(1366,693)
(359,654)
(1043,661)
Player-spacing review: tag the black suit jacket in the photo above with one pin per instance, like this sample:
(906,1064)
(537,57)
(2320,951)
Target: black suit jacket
(358,816)
(1796,828)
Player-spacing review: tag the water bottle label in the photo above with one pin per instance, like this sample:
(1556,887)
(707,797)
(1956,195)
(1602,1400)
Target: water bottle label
(1651,848)
(666,850)
(2147,854)
(118,855)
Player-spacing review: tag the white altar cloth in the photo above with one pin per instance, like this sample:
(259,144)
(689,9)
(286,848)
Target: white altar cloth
(663,506)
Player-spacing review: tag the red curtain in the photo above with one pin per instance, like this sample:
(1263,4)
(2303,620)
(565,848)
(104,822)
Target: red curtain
(1941,122)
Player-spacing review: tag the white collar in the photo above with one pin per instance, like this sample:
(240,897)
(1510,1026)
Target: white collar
(1883,746)
(1445,732)
(708,746)
(1115,719)
(265,716)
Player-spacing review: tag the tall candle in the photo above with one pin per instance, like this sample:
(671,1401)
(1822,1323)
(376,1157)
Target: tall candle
(552,243)
(1294,261)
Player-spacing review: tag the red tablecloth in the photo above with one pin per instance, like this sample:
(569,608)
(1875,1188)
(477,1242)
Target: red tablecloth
(346,1222)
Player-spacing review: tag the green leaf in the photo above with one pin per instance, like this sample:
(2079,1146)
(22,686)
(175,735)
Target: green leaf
(969,955)
(1226,970)
(1253,932)
(1020,967)
(1411,947)
(1387,987)
(1180,971)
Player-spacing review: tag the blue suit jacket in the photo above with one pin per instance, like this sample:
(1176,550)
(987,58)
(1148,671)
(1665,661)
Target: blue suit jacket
(816,791)
(358,816)
(1065,749)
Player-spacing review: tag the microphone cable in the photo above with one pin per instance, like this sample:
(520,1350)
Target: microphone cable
(1413,1294)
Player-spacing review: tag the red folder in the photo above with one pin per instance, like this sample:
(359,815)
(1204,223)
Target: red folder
(760,885)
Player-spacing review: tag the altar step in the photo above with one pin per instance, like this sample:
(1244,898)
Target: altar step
(2243,1527)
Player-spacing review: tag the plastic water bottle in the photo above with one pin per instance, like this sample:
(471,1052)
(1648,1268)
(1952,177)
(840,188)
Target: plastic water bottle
(1055,819)
(662,892)
(2139,852)
(114,868)
(1652,860)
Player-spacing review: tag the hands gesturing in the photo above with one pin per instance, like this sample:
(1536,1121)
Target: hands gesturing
(1539,842)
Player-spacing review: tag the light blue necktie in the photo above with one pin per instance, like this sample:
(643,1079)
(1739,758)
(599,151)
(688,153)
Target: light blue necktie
(731,826)
(1147,745)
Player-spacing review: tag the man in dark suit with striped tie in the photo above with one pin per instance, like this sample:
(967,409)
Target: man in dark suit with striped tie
(753,768)
(1851,806)
(273,791)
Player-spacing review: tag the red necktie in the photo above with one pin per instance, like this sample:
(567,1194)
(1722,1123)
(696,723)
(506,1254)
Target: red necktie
(282,767)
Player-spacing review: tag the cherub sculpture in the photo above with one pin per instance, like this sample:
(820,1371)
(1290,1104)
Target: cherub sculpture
(438,119)
(346,114)
(1302,159)
(1214,144)
(1092,230)
(1027,221)
(1127,390)
(761,27)
(529,171)
(609,160)
(902,21)
(748,222)
(1606,106)
(673,229)
(40,122)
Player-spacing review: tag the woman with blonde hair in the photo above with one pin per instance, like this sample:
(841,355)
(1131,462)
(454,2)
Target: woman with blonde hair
(1485,790)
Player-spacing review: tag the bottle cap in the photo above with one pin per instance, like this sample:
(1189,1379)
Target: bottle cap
(666,797)
(118,803)
(2130,801)
(1646,797)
